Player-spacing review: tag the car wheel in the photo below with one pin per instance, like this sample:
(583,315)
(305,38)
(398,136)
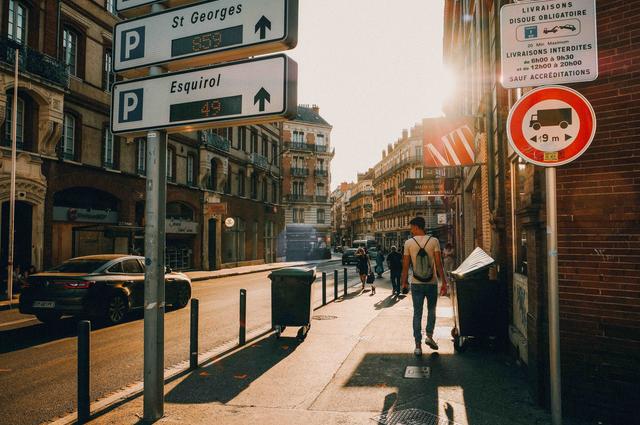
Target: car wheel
(48,316)
(183,296)
(117,309)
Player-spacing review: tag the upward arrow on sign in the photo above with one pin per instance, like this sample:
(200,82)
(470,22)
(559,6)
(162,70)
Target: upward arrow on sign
(262,25)
(261,97)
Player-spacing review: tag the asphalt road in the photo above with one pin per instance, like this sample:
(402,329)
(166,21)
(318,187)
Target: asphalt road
(38,362)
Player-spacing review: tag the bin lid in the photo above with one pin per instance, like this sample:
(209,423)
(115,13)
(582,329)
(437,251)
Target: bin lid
(478,260)
(294,272)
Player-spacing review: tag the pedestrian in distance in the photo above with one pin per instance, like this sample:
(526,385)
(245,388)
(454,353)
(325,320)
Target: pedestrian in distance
(363,264)
(394,262)
(379,263)
(422,254)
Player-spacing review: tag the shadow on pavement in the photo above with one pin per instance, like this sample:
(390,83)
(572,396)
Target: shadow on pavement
(390,301)
(223,380)
(478,387)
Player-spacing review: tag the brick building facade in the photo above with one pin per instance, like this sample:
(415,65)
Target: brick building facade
(598,215)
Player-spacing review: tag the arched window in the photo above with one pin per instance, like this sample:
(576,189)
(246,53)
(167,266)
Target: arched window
(17,28)
(20,122)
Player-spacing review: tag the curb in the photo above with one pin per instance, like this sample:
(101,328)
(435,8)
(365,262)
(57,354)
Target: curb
(232,274)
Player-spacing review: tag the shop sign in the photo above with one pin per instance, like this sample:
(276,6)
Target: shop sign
(181,226)
(427,187)
(84,215)
(442,219)
(548,42)
(216,209)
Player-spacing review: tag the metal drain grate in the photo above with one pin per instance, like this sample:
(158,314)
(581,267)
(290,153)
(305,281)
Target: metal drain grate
(411,417)
(324,317)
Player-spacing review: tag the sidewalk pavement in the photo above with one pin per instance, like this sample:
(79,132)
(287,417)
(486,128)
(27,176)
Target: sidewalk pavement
(196,276)
(349,370)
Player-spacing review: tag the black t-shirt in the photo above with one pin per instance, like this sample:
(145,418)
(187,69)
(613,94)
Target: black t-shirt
(395,261)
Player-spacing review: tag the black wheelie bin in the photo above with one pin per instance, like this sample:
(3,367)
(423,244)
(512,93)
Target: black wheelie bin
(479,303)
(292,299)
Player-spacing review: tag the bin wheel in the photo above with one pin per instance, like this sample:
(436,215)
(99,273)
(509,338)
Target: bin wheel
(458,344)
(279,330)
(302,332)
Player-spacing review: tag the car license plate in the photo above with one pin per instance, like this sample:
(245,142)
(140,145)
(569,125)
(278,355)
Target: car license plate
(44,304)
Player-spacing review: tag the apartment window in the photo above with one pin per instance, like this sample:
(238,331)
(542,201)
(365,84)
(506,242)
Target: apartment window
(320,165)
(69,136)
(225,133)
(254,141)
(320,216)
(110,5)
(419,174)
(191,176)
(17,28)
(320,140)
(242,139)
(70,50)
(264,191)
(255,241)
(298,137)
(141,156)
(9,123)
(298,188)
(274,193)
(274,153)
(171,164)
(265,146)
(213,175)
(298,215)
(320,191)
(418,152)
(107,71)
(107,149)
(254,186)
(241,183)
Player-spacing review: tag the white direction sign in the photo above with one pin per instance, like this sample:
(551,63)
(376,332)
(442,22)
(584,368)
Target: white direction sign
(200,34)
(548,42)
(256,90)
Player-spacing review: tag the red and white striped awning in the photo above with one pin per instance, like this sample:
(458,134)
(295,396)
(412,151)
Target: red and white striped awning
(449,142)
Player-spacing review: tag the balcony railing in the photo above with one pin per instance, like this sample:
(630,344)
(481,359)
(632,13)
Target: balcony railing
(322,173)
(298,198)
(322,198)
(299,172)
(35,63)
(321,148)
(297,146)
(259,161)
(216,142)
(409,161)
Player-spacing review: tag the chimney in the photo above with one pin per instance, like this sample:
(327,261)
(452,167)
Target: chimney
(316,109)
(384,154)
(405,134)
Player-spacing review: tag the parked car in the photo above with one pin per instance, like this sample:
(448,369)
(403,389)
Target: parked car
(349,256)
(105,287)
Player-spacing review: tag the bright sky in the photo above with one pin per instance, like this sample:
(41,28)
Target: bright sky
(373,67)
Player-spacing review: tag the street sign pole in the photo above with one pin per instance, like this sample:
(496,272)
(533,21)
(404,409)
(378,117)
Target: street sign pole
(554,303)
(12,195)
(154,248)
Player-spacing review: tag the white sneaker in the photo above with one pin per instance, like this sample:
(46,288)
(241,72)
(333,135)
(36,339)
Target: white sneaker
(431,343)
(418,352)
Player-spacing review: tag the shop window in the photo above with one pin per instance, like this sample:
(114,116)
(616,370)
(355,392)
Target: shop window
(191,177)
(179,211)
(9,123)
(269,242)
(17,28)
(141,156)
(70,50)
(255,241)
(233,242)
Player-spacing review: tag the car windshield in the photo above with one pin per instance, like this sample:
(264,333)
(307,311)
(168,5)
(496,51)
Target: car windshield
(80,266)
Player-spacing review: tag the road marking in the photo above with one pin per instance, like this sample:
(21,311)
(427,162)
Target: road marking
(16,322)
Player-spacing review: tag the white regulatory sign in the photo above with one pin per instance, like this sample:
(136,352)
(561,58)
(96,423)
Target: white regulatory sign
(200,34)
(548,42)
(256,90)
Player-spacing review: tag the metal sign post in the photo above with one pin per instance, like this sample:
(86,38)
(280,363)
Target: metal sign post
(12,195)
(554,299)
(154,249)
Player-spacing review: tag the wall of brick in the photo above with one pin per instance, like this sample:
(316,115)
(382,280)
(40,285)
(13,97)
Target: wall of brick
(599,240)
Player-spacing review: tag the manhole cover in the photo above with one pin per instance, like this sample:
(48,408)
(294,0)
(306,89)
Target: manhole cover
(324,317)
(411,417)
(417,372)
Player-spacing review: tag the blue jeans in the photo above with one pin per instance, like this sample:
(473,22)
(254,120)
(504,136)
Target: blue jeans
(418,294)
(395,280)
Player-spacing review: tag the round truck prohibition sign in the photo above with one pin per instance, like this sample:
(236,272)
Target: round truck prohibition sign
(551,126)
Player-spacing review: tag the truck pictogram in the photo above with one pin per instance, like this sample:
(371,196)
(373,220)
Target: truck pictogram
(551,117)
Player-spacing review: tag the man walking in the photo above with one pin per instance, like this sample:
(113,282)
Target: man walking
(422,253)
(394,261)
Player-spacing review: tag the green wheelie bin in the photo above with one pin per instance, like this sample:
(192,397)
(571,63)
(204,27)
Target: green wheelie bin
(292,299)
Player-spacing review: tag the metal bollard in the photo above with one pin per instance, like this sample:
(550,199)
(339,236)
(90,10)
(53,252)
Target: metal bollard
(243,316)
(335,284)
(193,344)
(324,288)
(84,368)
(345,281)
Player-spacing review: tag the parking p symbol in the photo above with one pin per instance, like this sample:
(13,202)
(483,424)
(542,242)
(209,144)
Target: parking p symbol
(132,44)
(130,105)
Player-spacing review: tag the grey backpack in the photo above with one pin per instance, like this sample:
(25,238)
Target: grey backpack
(423,269)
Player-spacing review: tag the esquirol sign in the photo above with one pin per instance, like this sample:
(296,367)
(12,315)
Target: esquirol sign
(548,42)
